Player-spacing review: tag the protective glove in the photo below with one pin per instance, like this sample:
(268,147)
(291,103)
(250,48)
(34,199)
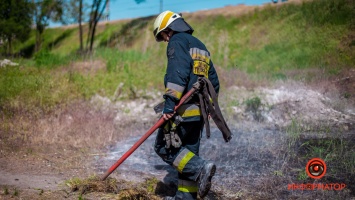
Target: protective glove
(175,140)
(170,133)
(167,138)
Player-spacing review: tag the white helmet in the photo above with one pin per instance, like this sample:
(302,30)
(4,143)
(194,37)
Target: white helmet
(162,22)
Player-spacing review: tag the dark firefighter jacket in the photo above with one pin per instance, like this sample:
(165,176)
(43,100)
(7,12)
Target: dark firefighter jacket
(187,59)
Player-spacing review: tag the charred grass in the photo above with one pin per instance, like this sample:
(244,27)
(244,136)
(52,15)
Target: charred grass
(298,149)
(333,145)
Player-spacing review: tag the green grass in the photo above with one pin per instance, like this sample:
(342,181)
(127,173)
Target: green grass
(110,32)
(293,132)
(253,105)
(30,87)
(337,154)
(267,44)
(274,40)
(334,150)
(127,67)
(6,191)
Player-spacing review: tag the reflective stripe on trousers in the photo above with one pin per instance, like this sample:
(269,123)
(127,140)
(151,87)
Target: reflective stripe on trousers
(187,190)
(185,159)
(187,186)
(182,159)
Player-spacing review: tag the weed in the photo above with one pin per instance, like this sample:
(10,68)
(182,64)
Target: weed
(16,192)
(337,154)
(333,151)
(347,95)
(302,175)
(278,173)
(93,183)
(233,102)
(150,184)
(253,105)
(279,76)
(293,132)
(6,191)
(41,191)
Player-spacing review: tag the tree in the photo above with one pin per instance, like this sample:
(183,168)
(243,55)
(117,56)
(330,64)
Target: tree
(75,12)
(97,8)
(45,10)
(15,21)
(80,25)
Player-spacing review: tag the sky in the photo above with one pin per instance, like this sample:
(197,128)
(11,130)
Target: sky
(128,9)
(123,9)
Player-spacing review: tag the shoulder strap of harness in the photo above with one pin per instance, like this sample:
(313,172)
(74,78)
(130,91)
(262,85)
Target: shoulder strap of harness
(206,91)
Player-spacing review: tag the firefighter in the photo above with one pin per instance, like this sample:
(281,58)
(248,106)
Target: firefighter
(178,142)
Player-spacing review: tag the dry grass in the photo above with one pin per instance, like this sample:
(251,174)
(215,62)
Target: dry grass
(76,126)
(79,126)
(118,189)
(89,67)
(94,184)
(236,10)
(235,77)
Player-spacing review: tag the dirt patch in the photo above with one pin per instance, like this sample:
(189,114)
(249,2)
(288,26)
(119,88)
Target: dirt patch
(27,181)
(225,11)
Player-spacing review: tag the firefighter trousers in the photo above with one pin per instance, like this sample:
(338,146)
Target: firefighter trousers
(185,159)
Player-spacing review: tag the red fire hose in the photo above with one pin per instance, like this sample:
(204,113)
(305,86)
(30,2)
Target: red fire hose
(148,133)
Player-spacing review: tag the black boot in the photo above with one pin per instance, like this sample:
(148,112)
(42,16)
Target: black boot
(204,180)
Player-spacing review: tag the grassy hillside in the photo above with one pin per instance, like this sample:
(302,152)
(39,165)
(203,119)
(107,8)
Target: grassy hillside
(292,41)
